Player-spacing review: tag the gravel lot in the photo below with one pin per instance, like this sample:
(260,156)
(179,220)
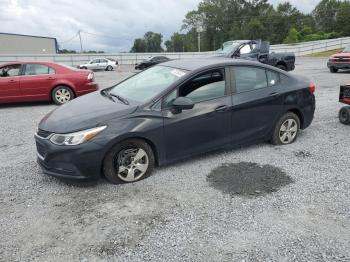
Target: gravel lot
(183,212)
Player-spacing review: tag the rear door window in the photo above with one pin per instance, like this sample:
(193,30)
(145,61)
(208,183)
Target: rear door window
(10,71)
(249,78)
(36,69)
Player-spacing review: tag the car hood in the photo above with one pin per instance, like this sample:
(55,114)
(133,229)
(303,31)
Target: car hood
(341,55)
(84,112)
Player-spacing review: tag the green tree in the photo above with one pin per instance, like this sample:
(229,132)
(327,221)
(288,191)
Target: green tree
(292,37)
(342,25)
(325,15)
(139,46)
(151,42)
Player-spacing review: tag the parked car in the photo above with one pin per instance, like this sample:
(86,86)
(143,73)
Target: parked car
(107,64)
(43,81)
(257,50)
(344,97)
(339,61)
(151,61)
(170,112)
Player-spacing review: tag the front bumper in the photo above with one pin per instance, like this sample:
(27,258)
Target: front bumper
(82,162)
(338,65)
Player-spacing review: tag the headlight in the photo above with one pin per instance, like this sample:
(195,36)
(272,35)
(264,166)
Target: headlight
(76,138)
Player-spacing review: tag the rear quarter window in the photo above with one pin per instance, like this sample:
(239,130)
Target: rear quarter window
(273,78)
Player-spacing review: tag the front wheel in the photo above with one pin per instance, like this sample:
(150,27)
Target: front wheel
(109,68)
(286,129)
(62,94)
(333,69)
(128,161)
(344,115)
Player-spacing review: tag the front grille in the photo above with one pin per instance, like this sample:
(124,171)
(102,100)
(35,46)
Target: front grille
(43,133)
(344,95)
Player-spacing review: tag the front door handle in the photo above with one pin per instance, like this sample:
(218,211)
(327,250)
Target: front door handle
(222,108)
(11,81)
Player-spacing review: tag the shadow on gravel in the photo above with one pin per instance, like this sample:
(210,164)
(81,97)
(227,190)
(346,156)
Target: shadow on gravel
(248,179)
(26,104)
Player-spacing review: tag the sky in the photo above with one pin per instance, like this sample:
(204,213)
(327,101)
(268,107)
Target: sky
(108,25)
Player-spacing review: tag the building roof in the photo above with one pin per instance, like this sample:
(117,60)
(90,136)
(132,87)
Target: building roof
(1,33)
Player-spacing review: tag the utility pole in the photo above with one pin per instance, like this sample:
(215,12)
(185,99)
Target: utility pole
(81,44)
(199,27)
(199,41)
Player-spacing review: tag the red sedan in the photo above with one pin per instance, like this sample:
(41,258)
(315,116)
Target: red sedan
(43,81)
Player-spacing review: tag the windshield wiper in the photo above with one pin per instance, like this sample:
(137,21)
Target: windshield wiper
(123,100)
(107,94)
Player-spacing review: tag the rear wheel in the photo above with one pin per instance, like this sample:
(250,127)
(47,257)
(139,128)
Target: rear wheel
(62,94)
(128,161)
(83,67)
(333,69)
(286,129)
(344,115)
(109,68)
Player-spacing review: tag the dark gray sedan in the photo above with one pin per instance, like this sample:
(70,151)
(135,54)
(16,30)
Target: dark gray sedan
(170,112)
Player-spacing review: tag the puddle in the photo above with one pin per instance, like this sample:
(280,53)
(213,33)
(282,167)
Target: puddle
(248,179)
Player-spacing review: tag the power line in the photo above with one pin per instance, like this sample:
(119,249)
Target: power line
(107,36)
(69,40)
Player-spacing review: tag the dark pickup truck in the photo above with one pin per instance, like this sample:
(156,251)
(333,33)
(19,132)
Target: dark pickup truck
(258,50)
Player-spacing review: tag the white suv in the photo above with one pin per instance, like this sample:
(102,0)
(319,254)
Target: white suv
(107,64)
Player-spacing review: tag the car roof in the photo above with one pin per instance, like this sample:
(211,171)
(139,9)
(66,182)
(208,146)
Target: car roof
(198,63)
(29,62)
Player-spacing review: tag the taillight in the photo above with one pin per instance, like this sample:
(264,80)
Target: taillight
(312,88)
(91,76)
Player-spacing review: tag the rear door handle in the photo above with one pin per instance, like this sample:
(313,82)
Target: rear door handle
(11,81)
(274,94)
(222,108)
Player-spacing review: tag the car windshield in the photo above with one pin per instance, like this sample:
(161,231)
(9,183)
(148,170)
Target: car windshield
(347,49)
(228,48)
(147,84)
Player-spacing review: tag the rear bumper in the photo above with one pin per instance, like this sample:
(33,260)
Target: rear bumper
(87,88)
(82,162)
(308,113)
(338,65)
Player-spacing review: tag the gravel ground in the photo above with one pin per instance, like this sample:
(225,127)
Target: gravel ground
(181,213)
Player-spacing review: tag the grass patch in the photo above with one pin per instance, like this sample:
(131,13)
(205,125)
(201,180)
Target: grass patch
(326,53)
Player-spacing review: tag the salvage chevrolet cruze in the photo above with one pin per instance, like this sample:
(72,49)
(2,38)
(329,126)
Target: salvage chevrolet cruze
(169,112)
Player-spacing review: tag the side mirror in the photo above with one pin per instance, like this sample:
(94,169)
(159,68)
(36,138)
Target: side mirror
(182,103)
(262,58)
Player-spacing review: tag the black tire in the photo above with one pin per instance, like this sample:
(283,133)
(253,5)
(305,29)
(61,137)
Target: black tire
(113,156)
(282,67)
(276,137)
(333,69)
(84,67)
(109,68)
(344,115)
(63,90)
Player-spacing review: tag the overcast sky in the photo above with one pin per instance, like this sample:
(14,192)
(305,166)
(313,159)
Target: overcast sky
(109,25)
